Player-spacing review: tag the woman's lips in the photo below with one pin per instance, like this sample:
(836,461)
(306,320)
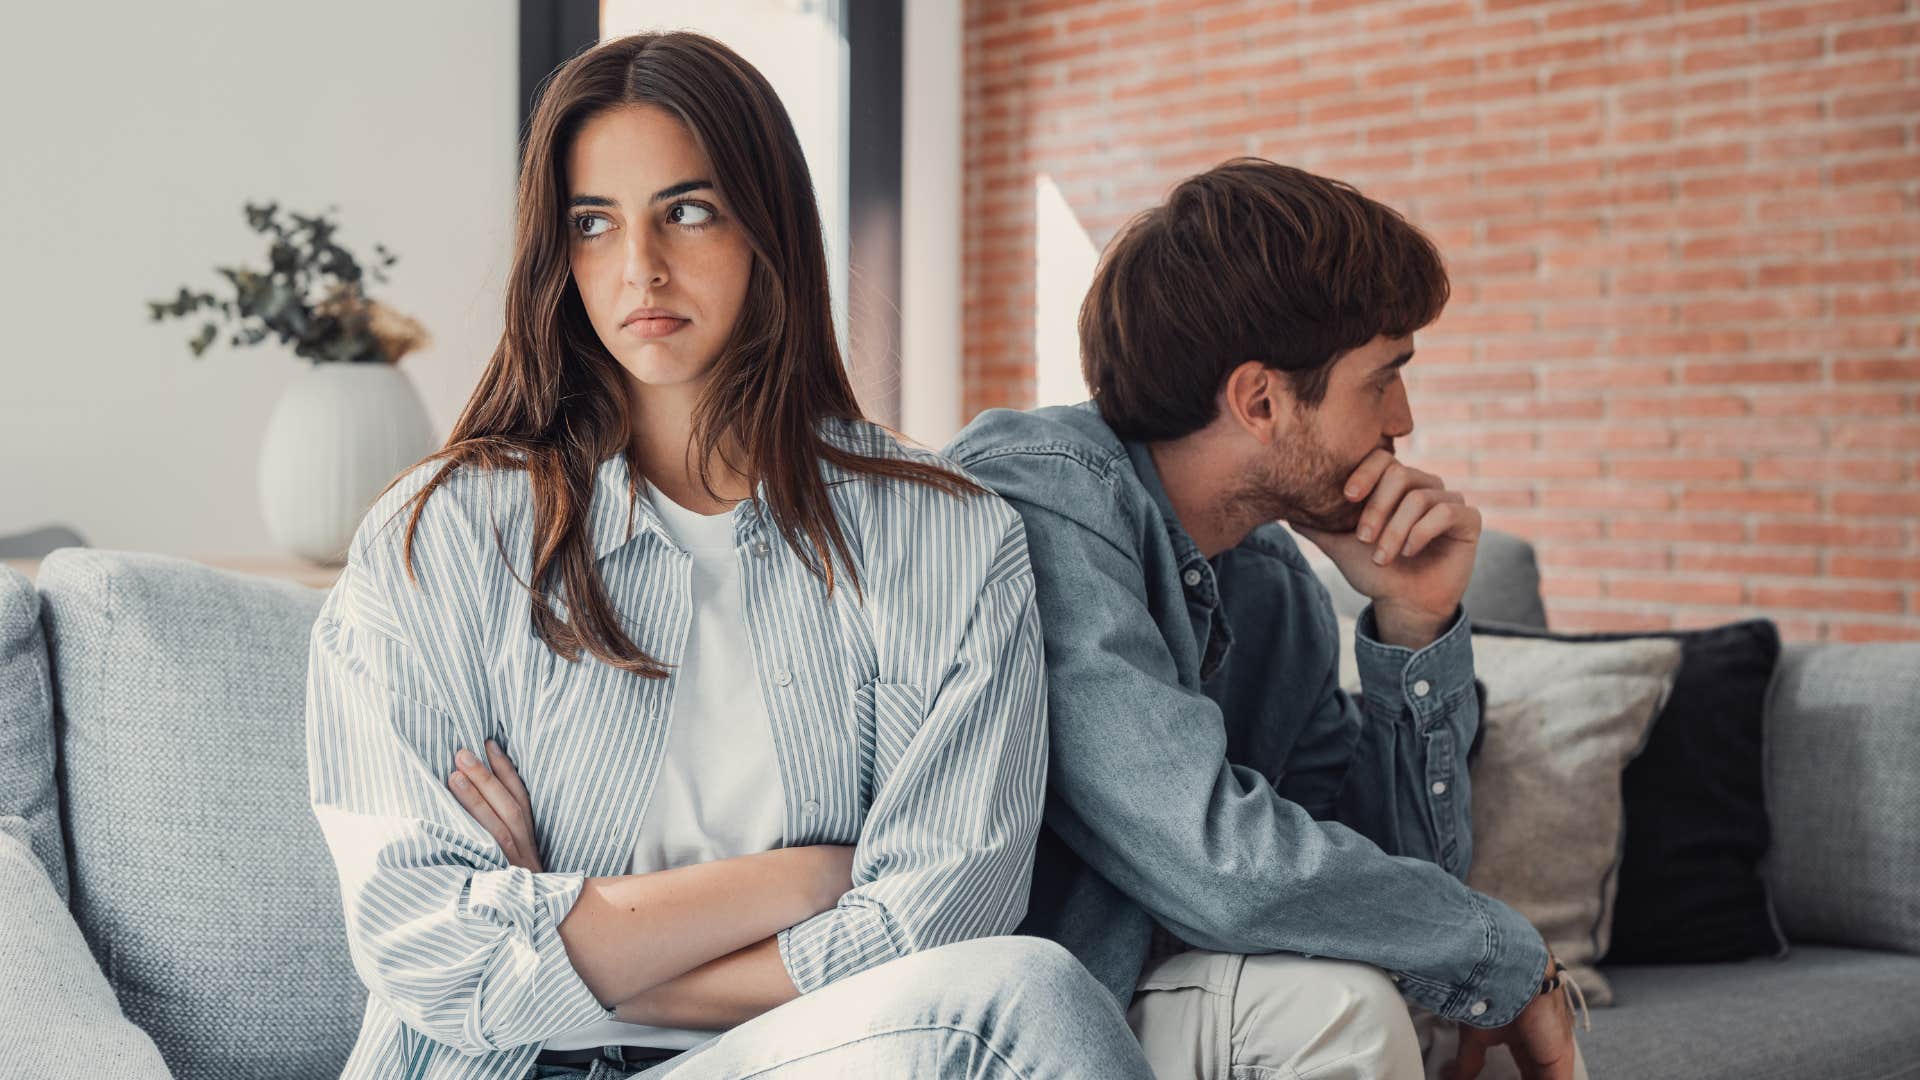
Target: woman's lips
(653,328)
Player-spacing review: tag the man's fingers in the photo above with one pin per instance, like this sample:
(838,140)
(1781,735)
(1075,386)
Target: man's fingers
(1451,518)
(1387,495)
(1366,474)
(1416,507)
(1468,1062)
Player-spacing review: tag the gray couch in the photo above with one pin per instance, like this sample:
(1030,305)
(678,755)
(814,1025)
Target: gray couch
(167,905)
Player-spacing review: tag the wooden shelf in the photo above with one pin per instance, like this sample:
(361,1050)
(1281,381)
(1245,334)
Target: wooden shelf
(289,569)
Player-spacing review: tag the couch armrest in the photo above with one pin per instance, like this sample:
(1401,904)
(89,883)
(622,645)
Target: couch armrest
(1843,798)
(61,1014)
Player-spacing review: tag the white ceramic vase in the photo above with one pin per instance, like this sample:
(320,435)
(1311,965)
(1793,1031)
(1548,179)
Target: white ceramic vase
(338,434)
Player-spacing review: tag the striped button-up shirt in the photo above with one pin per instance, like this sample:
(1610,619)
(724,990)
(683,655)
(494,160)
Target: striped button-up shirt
(908,720)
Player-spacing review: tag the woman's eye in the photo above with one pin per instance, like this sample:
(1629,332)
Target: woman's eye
(584,219)
(687,213)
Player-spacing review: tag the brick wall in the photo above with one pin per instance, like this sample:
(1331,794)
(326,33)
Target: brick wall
(1684,238)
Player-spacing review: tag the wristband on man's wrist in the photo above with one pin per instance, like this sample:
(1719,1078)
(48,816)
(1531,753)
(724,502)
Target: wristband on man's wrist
(1552,981)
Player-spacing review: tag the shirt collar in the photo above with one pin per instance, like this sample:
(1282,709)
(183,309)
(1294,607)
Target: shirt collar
(619,516)
(1184,547)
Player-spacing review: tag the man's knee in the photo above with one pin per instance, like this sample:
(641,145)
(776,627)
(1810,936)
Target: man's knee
(1286,1005)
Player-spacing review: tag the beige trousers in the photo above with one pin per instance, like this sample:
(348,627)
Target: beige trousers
(1220,1016)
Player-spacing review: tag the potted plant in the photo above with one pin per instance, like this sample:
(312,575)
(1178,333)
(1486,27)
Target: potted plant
(352,420)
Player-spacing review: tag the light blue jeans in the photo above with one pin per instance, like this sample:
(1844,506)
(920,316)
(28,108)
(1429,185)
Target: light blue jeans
(988,1009)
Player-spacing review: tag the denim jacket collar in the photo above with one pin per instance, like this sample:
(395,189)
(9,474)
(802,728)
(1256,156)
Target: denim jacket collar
(1196,572)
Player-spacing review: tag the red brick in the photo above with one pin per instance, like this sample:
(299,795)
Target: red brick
(1744,562)
(1601,557)
(1750,500)
(1672,470)
(1828,470)
(1752,371)
(1667,591)
(1891,370)
(1896,503)
(1811,598)
(1830,534)
(1684,531)
(1905,571)
(1858,631)
(1603,620)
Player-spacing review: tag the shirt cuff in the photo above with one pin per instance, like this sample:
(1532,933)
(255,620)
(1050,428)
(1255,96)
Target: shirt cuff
(838,942)
(1503,983)
(1395,679)
(533,991)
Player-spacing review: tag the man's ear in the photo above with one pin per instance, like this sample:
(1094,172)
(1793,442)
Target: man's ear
(1259,401)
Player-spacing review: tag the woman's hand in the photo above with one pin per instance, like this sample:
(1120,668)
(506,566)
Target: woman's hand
(498,801)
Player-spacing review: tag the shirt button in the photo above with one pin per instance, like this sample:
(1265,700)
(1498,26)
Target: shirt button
(1439,787)
(783,677)
(1479,1007)
(1421,688)
(810,807)
(1191,577)
(760,547)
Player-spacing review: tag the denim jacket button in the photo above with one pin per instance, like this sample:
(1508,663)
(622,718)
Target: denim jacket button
(1421,688)
(1479,1007)
(1191,577)
(1439,787)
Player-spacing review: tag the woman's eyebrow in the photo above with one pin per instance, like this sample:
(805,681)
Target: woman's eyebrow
(680,188)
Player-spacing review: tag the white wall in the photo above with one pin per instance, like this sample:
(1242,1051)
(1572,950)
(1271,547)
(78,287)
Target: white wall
(135,133)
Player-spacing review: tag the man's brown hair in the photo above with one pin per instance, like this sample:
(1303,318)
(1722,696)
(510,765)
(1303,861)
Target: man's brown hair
(1250,260)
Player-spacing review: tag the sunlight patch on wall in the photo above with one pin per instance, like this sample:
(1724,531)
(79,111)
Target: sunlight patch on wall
(1064,260)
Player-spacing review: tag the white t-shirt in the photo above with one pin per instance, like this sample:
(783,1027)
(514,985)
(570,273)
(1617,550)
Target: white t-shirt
(718,794)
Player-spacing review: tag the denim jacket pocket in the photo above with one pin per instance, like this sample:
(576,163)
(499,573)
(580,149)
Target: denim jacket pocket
(886,716)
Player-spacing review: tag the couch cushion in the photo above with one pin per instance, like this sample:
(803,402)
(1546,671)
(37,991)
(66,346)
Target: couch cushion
(1839,1014)
(200,877)
(1843,737)
(60,1012)
(26,727)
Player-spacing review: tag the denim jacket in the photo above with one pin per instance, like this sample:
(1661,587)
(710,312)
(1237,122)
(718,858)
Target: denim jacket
(1207,771)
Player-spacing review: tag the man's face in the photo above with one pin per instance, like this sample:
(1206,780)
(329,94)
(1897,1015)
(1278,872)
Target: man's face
(1365,409)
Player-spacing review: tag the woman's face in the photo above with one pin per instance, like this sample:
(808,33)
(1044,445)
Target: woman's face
(648,229)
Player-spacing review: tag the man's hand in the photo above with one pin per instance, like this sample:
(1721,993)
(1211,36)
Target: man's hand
(1541,1039)
(1412,552)
(498,801)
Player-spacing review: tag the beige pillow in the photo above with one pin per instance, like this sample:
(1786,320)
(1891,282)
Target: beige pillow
(1562,721)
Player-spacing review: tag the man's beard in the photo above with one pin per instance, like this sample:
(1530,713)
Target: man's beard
(1301,483)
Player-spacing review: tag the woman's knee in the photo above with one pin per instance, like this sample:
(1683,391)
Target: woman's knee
(1032,965)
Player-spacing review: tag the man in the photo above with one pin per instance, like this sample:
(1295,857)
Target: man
(1266,872)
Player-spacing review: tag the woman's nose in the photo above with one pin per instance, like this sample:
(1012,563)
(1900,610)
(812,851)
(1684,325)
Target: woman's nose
(645,268)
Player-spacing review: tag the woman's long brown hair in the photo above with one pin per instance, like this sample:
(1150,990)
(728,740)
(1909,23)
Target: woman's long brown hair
(554,401)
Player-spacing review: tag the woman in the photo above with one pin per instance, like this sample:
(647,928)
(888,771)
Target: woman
(771,682)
